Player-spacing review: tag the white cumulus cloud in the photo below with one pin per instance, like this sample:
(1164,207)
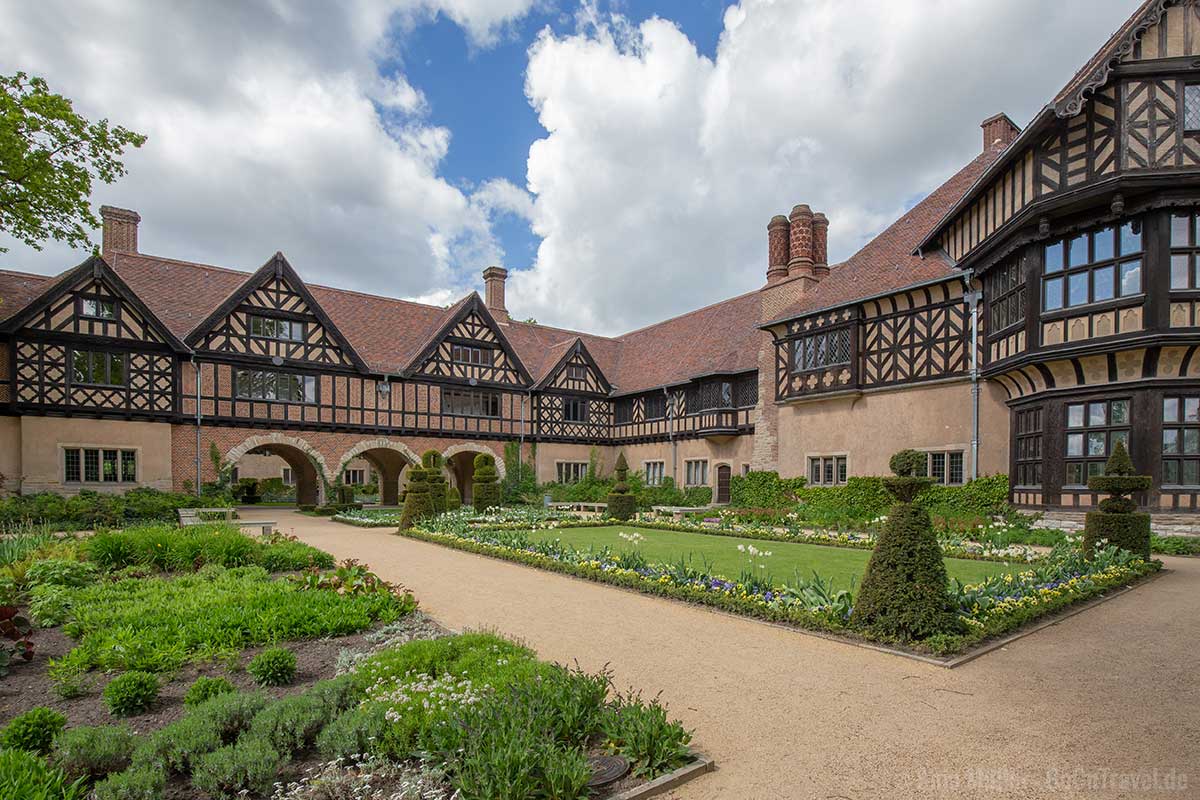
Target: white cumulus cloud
(661,167)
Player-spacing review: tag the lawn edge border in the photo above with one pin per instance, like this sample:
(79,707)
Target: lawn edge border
(672,780)
(946,662)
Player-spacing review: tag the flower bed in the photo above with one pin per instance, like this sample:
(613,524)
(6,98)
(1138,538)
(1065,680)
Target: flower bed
(411,710)
(722,524)
(987,609)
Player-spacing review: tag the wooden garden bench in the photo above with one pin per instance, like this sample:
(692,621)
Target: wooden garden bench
(192,516)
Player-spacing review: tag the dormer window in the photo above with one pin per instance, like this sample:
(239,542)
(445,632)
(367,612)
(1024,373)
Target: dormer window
(577,372)
(97,308)
(285,330)
(466,354)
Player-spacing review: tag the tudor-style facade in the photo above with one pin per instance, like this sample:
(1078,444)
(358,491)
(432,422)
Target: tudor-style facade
(1041,305)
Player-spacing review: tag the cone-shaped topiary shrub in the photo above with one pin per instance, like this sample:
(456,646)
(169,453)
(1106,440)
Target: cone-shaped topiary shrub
(904,589)
(1118,520)
(487,482)
(453,499)
(431,460)
(417,503)
(622,504)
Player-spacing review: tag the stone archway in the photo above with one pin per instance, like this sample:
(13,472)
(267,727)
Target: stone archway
(460,461)
(306,462)
(389,458)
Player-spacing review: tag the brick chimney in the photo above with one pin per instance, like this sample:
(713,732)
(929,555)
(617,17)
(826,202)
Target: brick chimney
(493,292)
(999,128)
(820,245)
(778,248)
(800,260)
(120,230)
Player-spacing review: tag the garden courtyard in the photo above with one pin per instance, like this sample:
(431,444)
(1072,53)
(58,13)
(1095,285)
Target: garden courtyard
(1101,704)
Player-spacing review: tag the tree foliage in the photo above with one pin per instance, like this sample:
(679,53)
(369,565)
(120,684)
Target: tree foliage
(49,157)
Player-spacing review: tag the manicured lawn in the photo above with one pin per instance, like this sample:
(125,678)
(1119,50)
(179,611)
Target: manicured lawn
(719,554)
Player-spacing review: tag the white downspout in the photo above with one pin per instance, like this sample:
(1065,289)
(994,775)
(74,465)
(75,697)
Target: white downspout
(972,297)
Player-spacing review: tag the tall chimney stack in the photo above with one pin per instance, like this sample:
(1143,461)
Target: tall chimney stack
(120,230)
(820,245)
(493,292)
(778,248)
(999,128)
(801,258)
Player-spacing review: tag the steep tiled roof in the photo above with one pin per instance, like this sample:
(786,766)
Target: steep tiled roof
(17,289)
(1095,71)
(887,262)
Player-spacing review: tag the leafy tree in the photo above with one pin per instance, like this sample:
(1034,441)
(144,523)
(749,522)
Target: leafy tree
(49,156)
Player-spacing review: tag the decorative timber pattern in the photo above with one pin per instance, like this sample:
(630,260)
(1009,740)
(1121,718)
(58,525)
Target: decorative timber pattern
(471,351)
(565,417)
(817,355)
(46,380)
(275,321)
(93,308)
(920,335)
(579,374)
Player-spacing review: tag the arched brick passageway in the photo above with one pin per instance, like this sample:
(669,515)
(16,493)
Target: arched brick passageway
(389,458)
(460,461)
(306,462)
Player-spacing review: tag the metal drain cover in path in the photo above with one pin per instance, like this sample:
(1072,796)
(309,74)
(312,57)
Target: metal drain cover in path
(607,769)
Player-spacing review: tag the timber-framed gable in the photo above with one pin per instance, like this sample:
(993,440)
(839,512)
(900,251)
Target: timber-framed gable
(470,348)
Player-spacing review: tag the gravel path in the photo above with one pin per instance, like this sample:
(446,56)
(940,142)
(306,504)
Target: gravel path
(1099,706)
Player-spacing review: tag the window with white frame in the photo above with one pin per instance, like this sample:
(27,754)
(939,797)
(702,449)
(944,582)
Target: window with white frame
(257,384)
(695,472)
(577,372)
(97,308)
(1093,430)
(355,477)
(99,465)
(466,354)
(461,403)
(655,471)
(826,470)
(571,471)
(288,477)
(284,330)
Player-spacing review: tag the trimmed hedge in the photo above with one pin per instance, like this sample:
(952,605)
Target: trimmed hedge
(1127,531)
(486,483)
(764,490)
(865,498)
(903,593)
(622,504)
(90,509)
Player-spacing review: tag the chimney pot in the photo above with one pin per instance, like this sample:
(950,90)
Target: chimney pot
(778,248)
(820,245)
(801,251)
(493,297)
(999,128)
(120,231)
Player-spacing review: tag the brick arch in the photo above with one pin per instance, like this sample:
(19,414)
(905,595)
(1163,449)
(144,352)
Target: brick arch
(454,450)
(389,457)
(312,472)
(382,443)
(461,473)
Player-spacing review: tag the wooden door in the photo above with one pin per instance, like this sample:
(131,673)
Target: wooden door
(723,483)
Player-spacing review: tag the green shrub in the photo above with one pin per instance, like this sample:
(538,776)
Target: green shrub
(908,463)
(354,734)
(453,499)
(33,731)
(418,504)
(293,557)
(290,725)
(431,461)
(1175,545)
(1117,521)
(138,783)
(205,688)
(338,693)
(249,765)
(89,509)
(763,490)
(275,666)
(622,504)
(93,752)
(60,572)
(904,589)
(644,734)
(486,487)
(131,693)
(230,714)
(110,550)
(26,776)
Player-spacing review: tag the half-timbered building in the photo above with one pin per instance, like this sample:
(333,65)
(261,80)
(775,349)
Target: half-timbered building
(1038,307)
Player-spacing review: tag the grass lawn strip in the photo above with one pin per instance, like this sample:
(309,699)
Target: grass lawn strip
(720,555)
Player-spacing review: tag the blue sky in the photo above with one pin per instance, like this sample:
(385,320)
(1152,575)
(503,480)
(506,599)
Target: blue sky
(479,93)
